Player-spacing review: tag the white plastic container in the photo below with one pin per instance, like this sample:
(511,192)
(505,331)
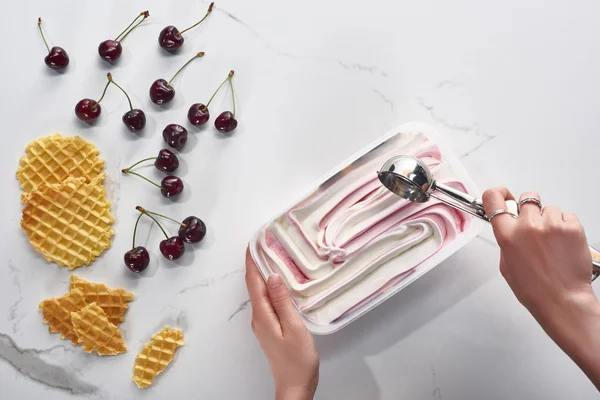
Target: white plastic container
(396,284)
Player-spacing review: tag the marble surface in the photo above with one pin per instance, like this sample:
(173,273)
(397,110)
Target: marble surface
(512,86)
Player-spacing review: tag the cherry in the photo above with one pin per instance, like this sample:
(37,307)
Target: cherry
(170,38)
(57,58)
(175,136)
(172,248)
(226,122)
(193,230)
(134,119)
(198,114)
(161,91)
(137,259)
(171,186)
(88,109)
(166,161)
(110,50)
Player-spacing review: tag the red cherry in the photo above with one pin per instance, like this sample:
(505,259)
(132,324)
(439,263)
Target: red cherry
(110,50)
(161,91)
(87,109)
(198,114)
(172,248)
(57,58)
(171,39)
(226,122)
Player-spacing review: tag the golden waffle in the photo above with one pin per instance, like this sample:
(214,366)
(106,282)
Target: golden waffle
(95,332)
(156,355)
(57,313)
(70,222)
(112,301)
(52,159)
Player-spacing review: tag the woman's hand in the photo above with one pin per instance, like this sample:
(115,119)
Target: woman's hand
(547,263)
(286,342)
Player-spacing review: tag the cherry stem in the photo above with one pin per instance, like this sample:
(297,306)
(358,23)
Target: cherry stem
(93,107)
(199,22)
(126,171)
(186,64)
(162,216)
(135,230)
(219,88)
(110,78)
(143,14)
(142,212)
(42,33)
(232,92)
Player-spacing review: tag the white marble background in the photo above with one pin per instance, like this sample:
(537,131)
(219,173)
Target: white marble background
(512,85)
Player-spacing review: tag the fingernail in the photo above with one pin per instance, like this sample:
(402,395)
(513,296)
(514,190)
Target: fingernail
(274,281)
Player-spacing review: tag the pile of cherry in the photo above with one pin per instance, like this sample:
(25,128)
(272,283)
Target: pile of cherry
(161,91)
(192,229)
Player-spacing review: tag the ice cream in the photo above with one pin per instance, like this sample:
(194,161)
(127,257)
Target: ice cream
(352,240)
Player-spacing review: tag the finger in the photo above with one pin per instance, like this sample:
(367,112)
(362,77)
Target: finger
(262,312)
(570,217)
(493,200)
(530,210)
(281,302)
(552,214)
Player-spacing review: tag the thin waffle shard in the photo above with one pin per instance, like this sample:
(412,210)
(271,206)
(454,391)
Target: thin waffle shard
(57,313)
(70,222)
(96,333)
(156,356)
(112,301)
(52,159)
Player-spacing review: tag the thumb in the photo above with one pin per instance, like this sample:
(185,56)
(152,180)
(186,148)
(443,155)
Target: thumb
(281,302)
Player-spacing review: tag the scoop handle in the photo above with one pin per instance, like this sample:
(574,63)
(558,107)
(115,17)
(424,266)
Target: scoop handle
(474,205)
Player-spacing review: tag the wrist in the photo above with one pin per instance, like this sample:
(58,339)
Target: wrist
(294,393)
(575,327)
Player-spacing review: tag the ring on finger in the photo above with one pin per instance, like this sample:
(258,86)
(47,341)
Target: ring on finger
(533,200)
(498,212)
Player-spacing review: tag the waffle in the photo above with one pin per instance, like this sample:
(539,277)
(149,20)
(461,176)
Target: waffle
(57,313)
(95,332)
(69,222)
(112,301)
(156,355)
(52,159)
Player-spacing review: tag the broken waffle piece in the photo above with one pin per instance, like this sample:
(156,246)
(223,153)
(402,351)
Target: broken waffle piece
(156,356)
(57,313)
(70,222)
(52,159)
(112,301)
(96,333)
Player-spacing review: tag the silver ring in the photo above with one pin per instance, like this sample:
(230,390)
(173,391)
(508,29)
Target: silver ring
(498,212)
(537,202)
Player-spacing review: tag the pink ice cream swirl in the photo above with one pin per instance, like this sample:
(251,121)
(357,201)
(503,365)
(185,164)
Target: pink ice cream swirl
(348,240)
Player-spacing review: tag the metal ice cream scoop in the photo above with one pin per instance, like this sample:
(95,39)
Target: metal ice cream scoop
(411,179)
